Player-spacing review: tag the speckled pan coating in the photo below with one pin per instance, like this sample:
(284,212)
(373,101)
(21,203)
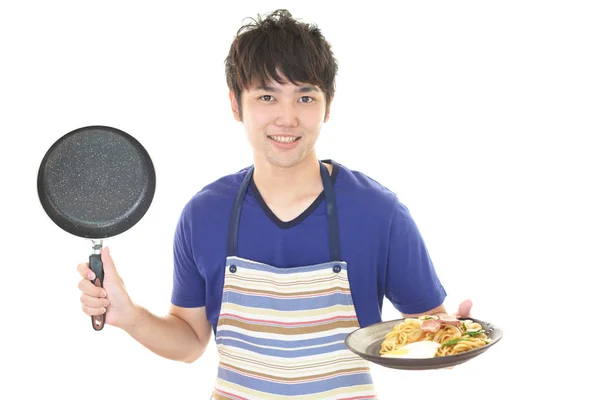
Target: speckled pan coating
(96,182)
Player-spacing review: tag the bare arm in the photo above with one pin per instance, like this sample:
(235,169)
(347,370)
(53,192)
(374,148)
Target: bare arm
(181,335)
(464,310)
(441,309)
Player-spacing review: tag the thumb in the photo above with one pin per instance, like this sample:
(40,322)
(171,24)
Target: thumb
(464,309)
(108,264)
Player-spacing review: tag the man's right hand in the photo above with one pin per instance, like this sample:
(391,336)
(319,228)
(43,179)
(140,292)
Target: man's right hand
(112,298)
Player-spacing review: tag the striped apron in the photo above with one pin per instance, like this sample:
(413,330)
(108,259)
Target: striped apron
(281,331)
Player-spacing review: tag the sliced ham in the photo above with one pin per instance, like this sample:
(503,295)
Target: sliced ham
(431,325)
(449,320)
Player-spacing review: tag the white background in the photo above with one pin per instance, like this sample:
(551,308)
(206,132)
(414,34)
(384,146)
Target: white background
(481,116)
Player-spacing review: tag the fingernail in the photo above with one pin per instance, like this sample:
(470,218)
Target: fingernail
(103,293)
(90,275)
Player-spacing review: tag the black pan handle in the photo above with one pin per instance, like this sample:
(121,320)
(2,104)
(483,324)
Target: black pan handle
(96,266)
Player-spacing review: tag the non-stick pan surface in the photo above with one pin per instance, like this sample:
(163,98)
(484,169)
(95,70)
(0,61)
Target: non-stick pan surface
(96,182)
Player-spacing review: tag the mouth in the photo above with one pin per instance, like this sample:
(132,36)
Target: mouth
(284,139)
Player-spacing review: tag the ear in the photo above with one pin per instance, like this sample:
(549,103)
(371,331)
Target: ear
(235,109)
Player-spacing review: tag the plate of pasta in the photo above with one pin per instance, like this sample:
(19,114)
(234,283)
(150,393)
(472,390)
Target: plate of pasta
(424,342)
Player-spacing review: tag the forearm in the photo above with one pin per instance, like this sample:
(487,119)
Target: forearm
(439,310)
(169,336)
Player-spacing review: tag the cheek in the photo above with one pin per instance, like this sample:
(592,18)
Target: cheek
(314,117)
(256,118)
(314,121)
(255,123)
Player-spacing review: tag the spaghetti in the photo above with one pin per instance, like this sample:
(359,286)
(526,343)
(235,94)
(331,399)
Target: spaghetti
(449,335)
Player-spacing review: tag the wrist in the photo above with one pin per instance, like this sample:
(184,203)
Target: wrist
(132,322)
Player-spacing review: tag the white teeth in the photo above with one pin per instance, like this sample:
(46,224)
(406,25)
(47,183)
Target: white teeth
(283,139)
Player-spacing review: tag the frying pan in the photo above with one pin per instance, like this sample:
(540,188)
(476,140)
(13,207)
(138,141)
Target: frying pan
(96,182)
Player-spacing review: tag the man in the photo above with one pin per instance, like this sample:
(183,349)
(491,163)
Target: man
(282,259)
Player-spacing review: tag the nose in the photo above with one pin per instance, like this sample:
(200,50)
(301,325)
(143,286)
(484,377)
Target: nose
(287,115)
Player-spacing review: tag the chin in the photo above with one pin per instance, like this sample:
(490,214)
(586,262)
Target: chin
(282,162)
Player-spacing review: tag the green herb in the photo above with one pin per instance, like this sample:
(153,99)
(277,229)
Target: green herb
(475,333)
(454,341)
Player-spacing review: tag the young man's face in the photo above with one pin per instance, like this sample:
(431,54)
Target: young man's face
(282,122)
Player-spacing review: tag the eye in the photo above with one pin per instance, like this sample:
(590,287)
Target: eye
(306,99)
(266,97)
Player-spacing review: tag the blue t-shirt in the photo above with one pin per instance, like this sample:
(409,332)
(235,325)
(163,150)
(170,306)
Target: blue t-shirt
(380,243)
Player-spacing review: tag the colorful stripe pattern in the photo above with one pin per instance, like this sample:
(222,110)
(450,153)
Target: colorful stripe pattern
(281,334)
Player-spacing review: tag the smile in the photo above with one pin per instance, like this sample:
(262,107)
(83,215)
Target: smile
(285,139)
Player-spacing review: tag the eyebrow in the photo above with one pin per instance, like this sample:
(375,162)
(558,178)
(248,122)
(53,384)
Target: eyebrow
(301,89)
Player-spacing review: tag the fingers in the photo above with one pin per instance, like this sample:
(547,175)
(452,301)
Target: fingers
(93,299)
(107,263)
(464,309)
(93,311)
(94,302)
(110,271)
(90,289)
(85,271)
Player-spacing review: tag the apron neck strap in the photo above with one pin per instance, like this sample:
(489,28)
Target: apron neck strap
(330,204)
(332,215)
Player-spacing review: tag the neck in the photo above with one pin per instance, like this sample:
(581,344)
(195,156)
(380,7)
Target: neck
(279,184)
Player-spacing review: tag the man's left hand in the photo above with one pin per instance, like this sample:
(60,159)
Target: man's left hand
(464,309)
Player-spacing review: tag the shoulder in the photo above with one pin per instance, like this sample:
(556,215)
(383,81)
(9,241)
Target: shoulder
(366,192)
(214,198)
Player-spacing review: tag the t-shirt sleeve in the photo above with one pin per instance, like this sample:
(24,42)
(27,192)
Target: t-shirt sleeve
(188,283)
(412,284)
